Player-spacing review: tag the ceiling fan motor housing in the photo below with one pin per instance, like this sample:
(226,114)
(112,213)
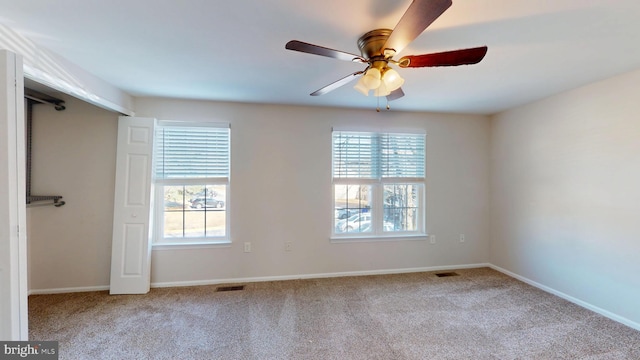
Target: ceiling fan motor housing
(371,43)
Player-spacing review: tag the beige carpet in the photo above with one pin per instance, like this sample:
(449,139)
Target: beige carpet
(480,314)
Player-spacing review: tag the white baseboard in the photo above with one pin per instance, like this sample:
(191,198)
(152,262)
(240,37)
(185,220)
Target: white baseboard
(603,312)
(261,279)
(562,295)
(67,290)
(312,276)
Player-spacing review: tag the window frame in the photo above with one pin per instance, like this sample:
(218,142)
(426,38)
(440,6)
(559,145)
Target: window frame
(377,185)
(158,239)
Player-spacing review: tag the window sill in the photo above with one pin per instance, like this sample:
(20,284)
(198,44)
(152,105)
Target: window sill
(191,246)
(379,238)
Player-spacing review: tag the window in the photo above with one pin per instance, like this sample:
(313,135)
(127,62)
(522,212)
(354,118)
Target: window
(378,184)
(191,178)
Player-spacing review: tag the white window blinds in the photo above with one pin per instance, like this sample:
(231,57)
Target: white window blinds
(355,155)
(187,151)
(402,155)
(367,155)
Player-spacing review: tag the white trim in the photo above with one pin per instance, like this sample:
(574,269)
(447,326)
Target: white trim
(586,305)
(193,181)
(187,123)
(191,245)
(266,278)
(380,129)
(13,240)
(68,290)
(355,181)
(75,91)
(20,178)
(315,276)
(378,238)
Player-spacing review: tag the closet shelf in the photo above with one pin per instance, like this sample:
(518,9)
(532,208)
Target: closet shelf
(53,199)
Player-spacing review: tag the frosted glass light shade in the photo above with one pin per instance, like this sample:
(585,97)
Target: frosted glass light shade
(371,78)
(392,80)
(361,87)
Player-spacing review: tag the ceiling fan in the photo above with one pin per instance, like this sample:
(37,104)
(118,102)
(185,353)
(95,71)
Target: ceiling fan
(379,46)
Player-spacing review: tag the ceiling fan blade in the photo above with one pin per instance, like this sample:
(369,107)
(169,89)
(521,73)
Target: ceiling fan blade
(419,15)
(447,58)
(395,94)
(323,51)
(336,84)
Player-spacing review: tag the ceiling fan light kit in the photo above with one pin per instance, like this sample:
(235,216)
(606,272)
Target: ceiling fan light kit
(379,46)
(382,79)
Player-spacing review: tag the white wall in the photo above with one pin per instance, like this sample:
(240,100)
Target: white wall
(73,156)
(279,153)
(566,193)
(281,191)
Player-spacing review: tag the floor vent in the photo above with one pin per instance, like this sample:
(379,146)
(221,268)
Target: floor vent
(230,288)
(445,274)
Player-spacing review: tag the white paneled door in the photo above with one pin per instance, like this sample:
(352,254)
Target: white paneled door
(131,245)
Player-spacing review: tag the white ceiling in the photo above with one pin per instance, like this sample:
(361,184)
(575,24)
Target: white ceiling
(234,50)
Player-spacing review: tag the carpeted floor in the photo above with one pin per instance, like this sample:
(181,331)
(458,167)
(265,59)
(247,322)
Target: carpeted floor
(480,314)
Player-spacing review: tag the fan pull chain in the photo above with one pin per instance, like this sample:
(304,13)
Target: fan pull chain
(378,106)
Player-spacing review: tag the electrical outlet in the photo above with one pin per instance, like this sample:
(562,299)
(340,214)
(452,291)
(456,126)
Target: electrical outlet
(287,245)
(462,238)
(247,247)
(432,239)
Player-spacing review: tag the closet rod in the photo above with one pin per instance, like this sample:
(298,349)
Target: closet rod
(44,99)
